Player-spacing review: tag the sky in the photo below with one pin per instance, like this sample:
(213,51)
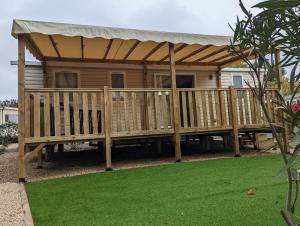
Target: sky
(190,16)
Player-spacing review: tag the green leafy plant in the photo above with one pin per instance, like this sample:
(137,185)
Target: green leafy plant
(8,133)
(274,30)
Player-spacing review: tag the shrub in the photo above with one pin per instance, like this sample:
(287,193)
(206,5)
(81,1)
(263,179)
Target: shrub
(8,133)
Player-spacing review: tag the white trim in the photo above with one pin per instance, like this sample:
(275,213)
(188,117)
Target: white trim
(237,74)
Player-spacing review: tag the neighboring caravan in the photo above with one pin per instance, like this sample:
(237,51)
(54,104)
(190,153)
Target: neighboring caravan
(105,84)
(8,114)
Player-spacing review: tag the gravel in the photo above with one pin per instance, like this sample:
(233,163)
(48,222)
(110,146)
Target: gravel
(14,209)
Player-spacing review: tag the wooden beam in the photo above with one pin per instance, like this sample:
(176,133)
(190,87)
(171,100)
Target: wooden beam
(235,133)
(33,47)
(193,53)
(212,54)
(82,47)
(107,125)
(175,51)
(176,113)
(153,51)
(54,45)
(21,106)
(136,62)
(131,49)
(108,48)
(278,68)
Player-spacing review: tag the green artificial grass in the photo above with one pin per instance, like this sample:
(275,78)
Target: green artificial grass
(210,192)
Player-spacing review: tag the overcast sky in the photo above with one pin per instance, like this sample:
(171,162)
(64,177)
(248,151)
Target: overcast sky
(194,16)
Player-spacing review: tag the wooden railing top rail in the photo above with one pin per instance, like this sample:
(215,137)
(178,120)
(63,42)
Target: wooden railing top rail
(140,90)
(63,90)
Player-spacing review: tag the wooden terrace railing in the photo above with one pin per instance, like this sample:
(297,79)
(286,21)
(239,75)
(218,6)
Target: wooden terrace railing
(66,115)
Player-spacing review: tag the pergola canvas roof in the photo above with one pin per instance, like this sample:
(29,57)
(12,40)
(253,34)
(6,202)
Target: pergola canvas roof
(71,42)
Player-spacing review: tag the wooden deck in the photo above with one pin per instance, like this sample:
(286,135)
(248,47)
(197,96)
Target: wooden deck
(67,115)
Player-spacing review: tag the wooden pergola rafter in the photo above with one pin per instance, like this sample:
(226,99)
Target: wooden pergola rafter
(201,49)
(156,48)
(54,45)
(137,42)
(108,48)
(175,51)
(211,54)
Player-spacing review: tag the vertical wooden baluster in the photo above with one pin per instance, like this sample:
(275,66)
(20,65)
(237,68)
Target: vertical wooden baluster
(223,108)
(198,114)
(134,111)
(158,109)
(268,99)
(126,111)
(246,105)
(27,114)
(149,110)
(191,108)
(47,114)
(67,113)
(164,110)
(229,107)
(57,114)
(252,108)
(85,108)
(240,104)
(211,108)
(204,107)
(94,113)
(118,112)
(218,108)
(76,113)
(184,109)
(37,117)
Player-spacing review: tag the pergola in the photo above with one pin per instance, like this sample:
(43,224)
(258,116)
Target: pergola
(49,41)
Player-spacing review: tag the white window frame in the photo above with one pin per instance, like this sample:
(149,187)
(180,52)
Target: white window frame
(236,74)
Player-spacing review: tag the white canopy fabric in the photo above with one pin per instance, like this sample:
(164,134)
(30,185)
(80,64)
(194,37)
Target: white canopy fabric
(87,31)
(52,41)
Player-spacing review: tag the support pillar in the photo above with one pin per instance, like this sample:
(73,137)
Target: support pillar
(176,115)
(107,124)
(235,132)
(21,106)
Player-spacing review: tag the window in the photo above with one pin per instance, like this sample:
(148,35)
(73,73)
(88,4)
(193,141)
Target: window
(117,80)
(182,81)
(237,81)
(11,118)
(66,79)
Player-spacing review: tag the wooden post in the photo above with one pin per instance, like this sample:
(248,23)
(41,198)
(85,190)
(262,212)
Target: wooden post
(144,119)
(278,69)
(219,85)
(21,107)
(107,124)
(176,116)
(235,132)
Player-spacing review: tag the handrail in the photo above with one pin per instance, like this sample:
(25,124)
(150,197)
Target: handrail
(63,90)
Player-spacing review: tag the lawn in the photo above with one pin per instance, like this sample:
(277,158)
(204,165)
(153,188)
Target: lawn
(210,192)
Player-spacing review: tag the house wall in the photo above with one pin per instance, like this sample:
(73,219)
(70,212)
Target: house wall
(34,77)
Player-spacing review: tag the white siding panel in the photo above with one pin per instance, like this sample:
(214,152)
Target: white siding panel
(226,78)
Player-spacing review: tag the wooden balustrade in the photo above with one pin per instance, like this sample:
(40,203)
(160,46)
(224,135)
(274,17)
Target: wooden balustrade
(63,114)
(137,111)
(54,115)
